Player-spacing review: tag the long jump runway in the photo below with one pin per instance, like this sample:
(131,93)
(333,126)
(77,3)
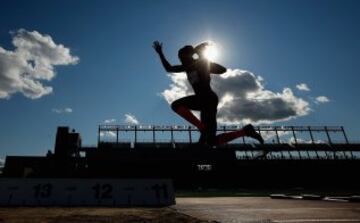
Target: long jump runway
(267,210)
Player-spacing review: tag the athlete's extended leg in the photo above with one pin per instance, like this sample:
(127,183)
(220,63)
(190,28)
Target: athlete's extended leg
(183,106)
(209,104)
(208,118)
(248,130)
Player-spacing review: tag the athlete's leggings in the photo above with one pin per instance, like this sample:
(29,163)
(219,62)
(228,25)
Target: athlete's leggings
(205,102)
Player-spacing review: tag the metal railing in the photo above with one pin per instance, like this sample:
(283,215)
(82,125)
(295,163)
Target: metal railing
(116,132)
(326,148)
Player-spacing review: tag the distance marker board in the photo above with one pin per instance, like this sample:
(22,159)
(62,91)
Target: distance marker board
(86,192)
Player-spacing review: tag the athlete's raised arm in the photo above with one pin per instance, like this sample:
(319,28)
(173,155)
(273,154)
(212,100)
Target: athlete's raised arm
(168,67)
(217,68)
(199,49)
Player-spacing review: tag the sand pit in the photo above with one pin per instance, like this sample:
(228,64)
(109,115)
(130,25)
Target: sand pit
(92,215)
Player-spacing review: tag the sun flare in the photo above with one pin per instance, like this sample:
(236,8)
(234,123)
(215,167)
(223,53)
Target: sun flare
(211,52)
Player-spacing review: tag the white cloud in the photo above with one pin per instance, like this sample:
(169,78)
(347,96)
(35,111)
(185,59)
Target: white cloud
(304,141)
(131,119)
(109,121)
(322,99)
(32,62)
(243,98)
(302,87)
(62,110)
(68,110)
(270,136)
(108,134)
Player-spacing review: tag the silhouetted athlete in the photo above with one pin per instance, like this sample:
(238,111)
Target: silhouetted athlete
(205,100)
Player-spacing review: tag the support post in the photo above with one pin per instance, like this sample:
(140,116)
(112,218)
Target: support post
(327,134)
(282,154)
(317,154)
(99,135)
(259,131)
(346,138)
(153,133)
(311,135)
(172,134)
(189,130)
(347,142)
(327,155)
(277,135)
(252,154)
(135,132)
(117,135)
(294,135)
(291,157)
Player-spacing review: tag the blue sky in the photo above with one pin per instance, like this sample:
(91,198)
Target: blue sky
(118,73)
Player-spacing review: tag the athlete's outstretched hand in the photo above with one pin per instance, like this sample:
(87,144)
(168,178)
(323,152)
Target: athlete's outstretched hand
(157,46)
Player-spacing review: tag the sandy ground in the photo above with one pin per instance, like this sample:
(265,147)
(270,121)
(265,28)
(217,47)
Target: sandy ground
(93,215)
(265,209)
(215,209)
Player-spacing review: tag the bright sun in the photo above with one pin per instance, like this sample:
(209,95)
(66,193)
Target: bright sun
(210,52)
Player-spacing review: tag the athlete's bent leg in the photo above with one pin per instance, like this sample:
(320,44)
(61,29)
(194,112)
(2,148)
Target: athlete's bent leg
(182,106)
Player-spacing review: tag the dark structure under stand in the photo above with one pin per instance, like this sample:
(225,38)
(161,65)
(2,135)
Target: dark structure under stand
(310,161)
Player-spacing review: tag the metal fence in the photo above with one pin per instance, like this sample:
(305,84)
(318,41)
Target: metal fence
(126,133)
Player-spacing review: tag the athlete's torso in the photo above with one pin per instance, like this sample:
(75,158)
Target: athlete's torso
(199,77)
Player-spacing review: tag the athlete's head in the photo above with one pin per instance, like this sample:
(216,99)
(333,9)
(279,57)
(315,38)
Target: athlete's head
(186,54)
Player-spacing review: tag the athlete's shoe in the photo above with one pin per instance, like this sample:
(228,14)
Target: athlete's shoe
(250,131)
